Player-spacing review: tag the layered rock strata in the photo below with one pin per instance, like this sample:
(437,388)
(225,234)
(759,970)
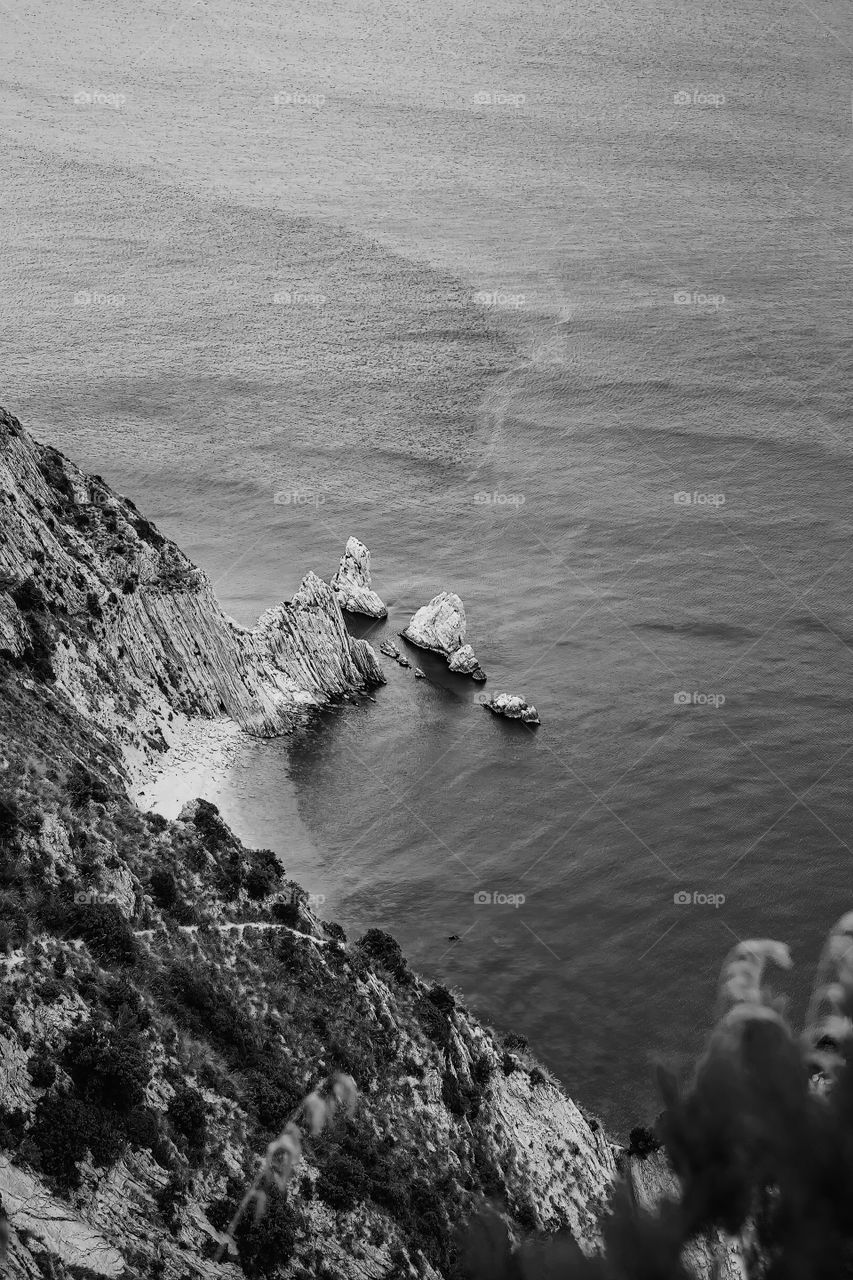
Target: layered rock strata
(351,583)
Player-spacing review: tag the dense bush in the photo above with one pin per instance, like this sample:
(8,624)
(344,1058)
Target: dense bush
(381,947)
(642,1142)
(164,888)
(101,926)
(82,786)
(109,1065)
(187,1111)
(42,1068)
(266,1246)
(65,1128)
(263,875)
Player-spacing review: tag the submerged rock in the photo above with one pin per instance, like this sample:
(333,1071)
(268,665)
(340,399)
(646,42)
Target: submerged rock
(351,583)
(513,706)
(440,627)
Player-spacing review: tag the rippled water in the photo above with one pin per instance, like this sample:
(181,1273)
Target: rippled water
(671,319)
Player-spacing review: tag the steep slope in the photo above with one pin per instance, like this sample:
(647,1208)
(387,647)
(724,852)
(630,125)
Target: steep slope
(168,998)
(131,629)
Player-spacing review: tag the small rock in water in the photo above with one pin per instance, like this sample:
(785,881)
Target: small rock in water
(440,626)
(419,675)
(351,583)
(513,706)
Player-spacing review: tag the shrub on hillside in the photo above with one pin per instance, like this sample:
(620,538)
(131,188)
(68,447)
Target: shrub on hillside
(109,1065)
(187,1112)
(385,950)
(266,1245)
(65,1128)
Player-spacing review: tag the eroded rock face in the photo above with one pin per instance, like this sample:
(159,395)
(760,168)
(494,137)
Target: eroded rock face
(440,626)
(88,585)
(513,706)
(351,583)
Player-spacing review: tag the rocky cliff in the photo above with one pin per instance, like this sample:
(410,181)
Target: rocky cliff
(135,631)
(167,996)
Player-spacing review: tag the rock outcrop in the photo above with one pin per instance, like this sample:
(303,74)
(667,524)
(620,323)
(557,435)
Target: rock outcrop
(351,583)
(90,588)
(440,626)
(391,651)
(513,706)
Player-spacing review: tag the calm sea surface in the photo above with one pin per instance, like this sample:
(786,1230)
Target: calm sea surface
(487,286)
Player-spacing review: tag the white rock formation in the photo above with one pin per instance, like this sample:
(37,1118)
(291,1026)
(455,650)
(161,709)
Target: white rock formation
(57,1227)
(149,617)
(513,706)
(464,662)
(351,583)
(440,626)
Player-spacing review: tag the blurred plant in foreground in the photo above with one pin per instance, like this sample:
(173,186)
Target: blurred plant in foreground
(761,1143)
(282,1155)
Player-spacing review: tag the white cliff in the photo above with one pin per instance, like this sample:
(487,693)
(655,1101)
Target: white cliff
(83,572)
(440,626)
(351,583)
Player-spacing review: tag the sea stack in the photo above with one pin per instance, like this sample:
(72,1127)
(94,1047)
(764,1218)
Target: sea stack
(440,626)
(351,583)
(513,706)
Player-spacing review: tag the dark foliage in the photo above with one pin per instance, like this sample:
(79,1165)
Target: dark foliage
(65,1128)
(109,1065)
(42,1068)
(82,786)
(187,1111)
(642,1142)
(101,926)
(385,950)
(266,1246)
(164,888)
(263,875)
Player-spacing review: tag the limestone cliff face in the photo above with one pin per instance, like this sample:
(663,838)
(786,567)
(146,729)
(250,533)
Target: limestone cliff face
(135,630)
